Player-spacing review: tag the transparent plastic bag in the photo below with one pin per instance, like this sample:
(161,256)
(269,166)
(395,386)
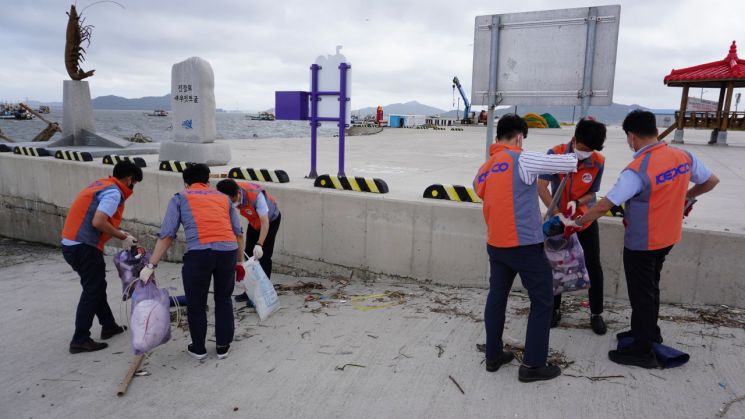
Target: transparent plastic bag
(260,289)
(128,264)
(150,321)
(567,263)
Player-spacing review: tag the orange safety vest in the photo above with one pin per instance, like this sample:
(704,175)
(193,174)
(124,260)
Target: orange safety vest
(79,222)
(247,206)
(210,211)
(654,217)
(579,183)
(511,210)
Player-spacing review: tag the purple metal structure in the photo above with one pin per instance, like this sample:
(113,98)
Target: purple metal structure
(294,106)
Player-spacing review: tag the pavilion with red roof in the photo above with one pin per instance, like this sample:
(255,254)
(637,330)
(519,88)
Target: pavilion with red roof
(726,75)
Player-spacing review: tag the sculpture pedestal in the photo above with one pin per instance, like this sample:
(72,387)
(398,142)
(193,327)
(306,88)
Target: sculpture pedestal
(77,112)
(211,154)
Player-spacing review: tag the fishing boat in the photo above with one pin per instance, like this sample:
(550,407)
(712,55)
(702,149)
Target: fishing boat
(157,112)
(261,116)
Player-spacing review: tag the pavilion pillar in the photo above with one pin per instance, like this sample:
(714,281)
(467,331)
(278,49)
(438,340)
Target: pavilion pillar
(720,103)
(722,136)
(678,139)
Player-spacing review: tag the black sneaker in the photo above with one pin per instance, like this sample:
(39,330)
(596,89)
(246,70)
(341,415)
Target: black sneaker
(504,358)
(241,298)
(628,357)
(598,324)
(223,351)
(530,374)
(555,317)
(89,345)
(194,354)
(108,333)
(627,334)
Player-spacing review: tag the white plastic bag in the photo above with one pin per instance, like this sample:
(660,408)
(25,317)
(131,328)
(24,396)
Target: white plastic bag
(260,289)
(150,322)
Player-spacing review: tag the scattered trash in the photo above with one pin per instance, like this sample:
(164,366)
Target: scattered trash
(300,287)
(725,408)
(389,298)
(595,378)
(456,384)
(585,304)
(401,354)
(341,368)
(141,373)
(723,386)
(235,409)
(302,335)
(440,350)
(555,357)
(454,311)
(373,336)
(310,297)
(724,316)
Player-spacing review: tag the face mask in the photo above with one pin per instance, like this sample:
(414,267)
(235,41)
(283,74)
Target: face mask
(582,155)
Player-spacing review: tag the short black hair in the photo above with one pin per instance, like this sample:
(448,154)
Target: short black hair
(228,187)
(641,123)
(127,168)
(590,133)
(510,125)
(196,173)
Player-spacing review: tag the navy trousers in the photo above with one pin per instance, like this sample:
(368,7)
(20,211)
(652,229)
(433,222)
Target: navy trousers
(643,269)
(535,273)
(200,266)
(252,237)
(88,262)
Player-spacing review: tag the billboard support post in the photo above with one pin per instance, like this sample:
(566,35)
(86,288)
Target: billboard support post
(493,72)
(592,20)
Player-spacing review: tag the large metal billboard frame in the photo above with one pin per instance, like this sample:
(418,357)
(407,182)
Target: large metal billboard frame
(549,57)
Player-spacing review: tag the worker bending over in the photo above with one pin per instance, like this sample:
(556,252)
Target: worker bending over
(506,184)
(654,188)
(213,244)
(579,195)
(94,218)
(262,213)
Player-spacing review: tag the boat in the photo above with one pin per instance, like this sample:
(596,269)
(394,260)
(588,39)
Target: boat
(261,116)
(157,112)
(43,109)
(17,114)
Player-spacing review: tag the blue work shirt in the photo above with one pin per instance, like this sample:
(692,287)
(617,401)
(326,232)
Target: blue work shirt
(629,184)
(110,200)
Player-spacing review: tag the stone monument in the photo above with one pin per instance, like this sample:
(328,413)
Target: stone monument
(193,116)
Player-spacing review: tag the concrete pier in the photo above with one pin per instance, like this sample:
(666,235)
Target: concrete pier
(401,235)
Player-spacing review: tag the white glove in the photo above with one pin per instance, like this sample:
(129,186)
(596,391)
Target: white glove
(569,222)
(258,252)
(128,241)
(147,272)
(572,207)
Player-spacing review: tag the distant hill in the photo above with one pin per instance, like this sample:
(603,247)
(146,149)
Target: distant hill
(408,108)
(139,104)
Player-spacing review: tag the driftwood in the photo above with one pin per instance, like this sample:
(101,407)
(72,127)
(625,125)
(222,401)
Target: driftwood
(122,390)
(3,137)
(48,132)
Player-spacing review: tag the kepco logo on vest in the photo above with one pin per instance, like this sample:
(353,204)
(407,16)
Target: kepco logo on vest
(671,174)
(497,168)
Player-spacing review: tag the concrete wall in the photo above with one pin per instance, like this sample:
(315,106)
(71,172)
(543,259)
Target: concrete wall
(327,232)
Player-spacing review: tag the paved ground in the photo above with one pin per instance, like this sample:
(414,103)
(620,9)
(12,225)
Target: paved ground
(409,160)
(388,356)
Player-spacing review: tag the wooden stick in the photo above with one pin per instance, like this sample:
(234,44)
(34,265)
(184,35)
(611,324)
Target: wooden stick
(38,115)
(122,390)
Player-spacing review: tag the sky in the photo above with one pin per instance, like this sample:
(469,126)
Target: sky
(400,50)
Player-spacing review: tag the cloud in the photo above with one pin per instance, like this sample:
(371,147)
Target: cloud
(400,51)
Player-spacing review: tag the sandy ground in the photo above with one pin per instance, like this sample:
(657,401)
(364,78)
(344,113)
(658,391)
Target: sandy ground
(392,355)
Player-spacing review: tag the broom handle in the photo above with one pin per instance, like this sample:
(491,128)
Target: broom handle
(556,198)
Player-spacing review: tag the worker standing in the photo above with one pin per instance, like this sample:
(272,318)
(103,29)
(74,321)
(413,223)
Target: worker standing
(94,217)
(213,244)
(579,195)
(262,213)
(507,185)
(654,187)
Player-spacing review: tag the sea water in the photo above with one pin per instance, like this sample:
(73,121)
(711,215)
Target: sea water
(230,125)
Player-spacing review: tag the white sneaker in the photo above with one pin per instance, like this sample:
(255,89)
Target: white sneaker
(199,357)
(223,351)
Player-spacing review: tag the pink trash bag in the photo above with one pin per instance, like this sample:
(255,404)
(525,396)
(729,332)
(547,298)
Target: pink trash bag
(150,321)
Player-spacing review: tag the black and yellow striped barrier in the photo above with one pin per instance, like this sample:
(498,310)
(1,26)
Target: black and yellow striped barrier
(456,193)
(173,166)
(5,149)
(456,129)
(348,183)
(73,155)
(32,151)
(113,159)
(259,175)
